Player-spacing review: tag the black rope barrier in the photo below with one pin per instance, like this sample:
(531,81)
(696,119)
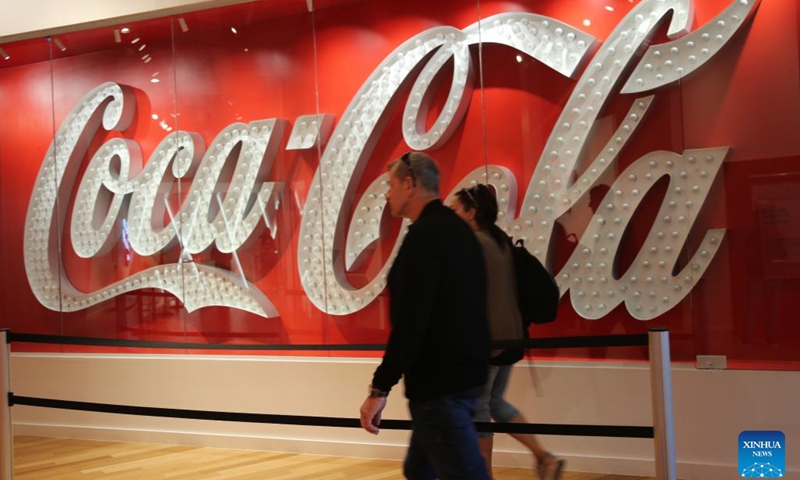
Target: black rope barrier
(533,343)
(532,428)
(515,428)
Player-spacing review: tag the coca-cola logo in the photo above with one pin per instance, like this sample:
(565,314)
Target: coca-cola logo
(118,185)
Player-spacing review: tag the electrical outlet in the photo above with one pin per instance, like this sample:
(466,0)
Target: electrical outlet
(712,362)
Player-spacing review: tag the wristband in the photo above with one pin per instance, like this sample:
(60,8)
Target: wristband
(376,392)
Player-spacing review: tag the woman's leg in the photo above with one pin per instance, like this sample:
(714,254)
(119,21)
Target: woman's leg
(549,467)
(483,414)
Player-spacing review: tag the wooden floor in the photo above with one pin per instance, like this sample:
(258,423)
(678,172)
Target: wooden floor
(37,458)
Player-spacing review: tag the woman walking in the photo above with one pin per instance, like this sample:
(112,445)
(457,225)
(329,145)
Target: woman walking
(478,207)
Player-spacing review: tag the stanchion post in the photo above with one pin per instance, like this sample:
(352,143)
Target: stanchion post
(661,388)
(6,438)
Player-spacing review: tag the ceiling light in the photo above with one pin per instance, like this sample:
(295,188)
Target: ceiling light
(125,30)
(117,36)
(154,80)
(233,29)
(183,25)
(587,23)
(154,116)
(142,47)
(4,54)
(519,58)
(59,44)
(609,8)
(135,40)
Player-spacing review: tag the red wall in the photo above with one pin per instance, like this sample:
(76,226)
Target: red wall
(747,97)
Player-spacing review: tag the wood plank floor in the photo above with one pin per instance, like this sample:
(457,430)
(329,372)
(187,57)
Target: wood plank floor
(37,458)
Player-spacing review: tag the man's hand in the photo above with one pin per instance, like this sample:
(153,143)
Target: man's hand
(371,413)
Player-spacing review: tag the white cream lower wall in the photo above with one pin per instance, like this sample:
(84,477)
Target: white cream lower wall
(711,407)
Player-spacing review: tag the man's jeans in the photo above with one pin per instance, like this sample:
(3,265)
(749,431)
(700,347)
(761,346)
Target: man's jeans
(444,444)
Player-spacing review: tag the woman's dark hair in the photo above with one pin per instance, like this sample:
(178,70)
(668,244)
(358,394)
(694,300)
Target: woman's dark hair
(482,200)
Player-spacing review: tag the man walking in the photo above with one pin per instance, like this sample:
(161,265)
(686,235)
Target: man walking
(440,338)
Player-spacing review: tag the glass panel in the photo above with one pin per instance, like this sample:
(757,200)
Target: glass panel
(556,124)
(745,306)
(641,225)
(373,99)
(245,82)
(628,141)
(114,103)
(26,133)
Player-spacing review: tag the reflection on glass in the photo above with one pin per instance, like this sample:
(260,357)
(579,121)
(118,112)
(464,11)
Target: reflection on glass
(242,199)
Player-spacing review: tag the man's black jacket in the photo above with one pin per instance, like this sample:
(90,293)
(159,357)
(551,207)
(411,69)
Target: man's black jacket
(437,287)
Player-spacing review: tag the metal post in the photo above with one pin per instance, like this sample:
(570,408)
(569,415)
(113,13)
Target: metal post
(661,389)
(6,438)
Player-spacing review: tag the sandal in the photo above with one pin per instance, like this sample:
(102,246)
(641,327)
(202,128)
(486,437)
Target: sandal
(551,468)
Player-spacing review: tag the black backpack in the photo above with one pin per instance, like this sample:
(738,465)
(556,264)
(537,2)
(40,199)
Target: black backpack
(537,291)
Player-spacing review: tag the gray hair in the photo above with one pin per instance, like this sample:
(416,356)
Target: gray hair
(424,170)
